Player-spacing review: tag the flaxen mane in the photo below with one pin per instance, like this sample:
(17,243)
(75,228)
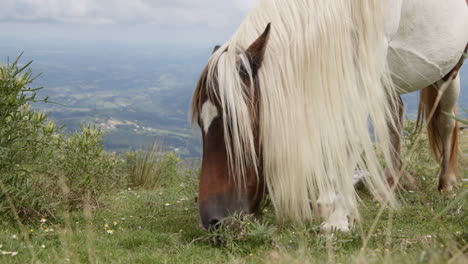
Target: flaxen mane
(323,81)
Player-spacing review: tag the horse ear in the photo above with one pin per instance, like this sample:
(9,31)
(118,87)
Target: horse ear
(256,51)
(216,48)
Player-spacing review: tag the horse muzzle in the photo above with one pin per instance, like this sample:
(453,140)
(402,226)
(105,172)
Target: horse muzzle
(214,209)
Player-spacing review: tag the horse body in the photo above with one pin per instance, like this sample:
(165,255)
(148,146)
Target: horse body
(429,42)
(289,110)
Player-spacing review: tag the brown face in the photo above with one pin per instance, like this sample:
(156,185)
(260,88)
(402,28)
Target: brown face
(219,195)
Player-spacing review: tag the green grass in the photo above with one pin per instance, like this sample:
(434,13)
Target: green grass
(161,226)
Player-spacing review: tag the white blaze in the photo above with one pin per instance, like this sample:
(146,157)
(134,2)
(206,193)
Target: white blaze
(208,113)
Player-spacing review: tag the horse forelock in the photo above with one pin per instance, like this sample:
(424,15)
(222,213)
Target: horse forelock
(227,82)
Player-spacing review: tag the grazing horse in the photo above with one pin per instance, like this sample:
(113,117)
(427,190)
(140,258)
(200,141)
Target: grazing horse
(286,109)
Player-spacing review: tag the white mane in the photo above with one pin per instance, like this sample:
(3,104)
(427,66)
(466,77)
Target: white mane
(324,78)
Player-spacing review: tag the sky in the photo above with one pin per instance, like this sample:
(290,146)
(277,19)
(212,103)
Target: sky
(180,25)
(189,22)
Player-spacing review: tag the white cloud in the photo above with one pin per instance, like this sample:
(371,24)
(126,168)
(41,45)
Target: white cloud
(167,13)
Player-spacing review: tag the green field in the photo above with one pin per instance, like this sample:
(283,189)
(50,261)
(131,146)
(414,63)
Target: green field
(160,225)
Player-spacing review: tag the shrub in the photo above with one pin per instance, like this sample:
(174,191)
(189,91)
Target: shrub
(84,166)
(38,163)
(24,134)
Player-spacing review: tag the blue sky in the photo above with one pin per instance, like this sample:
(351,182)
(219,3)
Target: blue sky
(191,22)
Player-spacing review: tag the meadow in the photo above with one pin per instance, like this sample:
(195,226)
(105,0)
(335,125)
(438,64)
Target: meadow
(64,199)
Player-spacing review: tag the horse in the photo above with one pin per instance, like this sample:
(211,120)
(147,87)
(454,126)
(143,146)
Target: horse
(285,105)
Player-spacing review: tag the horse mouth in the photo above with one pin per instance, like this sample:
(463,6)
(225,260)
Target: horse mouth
(202,228)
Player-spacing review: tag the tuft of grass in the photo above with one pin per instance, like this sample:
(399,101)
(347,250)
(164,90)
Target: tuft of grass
(146,168)
(241,231)
(142,168)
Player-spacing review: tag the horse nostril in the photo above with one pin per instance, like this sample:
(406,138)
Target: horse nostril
(213,223)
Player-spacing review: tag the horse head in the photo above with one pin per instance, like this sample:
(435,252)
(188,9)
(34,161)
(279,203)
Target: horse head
(231,174)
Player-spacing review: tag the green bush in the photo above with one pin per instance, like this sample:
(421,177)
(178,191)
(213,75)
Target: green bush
(41,169)
(24,134)
(83,168)
(167,168)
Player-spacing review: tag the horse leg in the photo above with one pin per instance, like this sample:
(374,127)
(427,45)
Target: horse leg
(448,130)
(334,211)
(393,175)
(337,214)
(443,129)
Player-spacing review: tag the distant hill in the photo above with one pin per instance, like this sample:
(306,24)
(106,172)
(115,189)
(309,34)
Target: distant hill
(138,95)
